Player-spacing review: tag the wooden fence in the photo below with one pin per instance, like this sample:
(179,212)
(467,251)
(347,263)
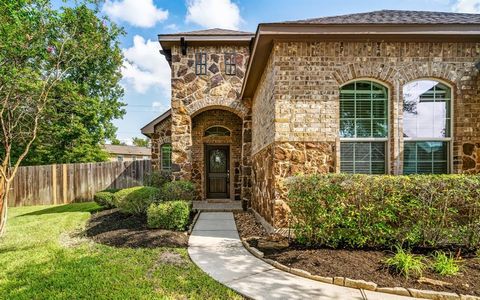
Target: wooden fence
(57,184)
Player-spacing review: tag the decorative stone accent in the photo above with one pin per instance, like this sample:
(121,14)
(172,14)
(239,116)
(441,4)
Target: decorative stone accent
(339,280)
(434,295)
(471,157)
(360,284)
(469,297)
(394,290)
(278,161)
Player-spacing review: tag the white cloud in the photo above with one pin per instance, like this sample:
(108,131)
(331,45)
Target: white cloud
(467,6)
(172,27)
(159,106)
(145,67)
(141,13)
(214,13)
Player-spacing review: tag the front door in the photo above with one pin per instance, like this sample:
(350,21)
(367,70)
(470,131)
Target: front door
(218,172)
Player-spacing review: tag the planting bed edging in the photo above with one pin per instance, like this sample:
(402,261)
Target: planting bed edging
(360,284)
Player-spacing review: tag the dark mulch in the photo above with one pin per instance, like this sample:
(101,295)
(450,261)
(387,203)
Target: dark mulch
(113,228)
(359,264)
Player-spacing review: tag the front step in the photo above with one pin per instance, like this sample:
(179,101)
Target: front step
(225,206)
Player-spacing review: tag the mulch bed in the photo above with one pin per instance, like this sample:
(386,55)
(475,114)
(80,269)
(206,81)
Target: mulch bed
(357,264)
(113,228)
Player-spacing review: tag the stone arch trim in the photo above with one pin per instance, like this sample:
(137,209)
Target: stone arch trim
(233,105)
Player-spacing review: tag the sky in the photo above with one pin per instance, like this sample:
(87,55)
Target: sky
(146,74)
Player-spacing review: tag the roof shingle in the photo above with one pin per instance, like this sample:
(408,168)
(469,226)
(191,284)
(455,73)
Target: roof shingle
(396,17)
(213,31)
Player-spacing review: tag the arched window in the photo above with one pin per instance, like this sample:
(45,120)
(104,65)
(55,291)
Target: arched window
(166,157)
(426,127)
(217,131)
(363,127)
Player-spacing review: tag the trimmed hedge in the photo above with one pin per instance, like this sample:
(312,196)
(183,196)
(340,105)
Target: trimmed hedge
(341,210)
(158,178)
(136,200)
(178,190)
(172,215)
(104,198)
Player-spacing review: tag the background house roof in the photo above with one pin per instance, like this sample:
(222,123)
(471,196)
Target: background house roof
(127,150)
(396,17)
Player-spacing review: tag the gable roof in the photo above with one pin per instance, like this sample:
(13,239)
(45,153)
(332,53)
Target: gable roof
(149,129)
(396,17)
(209,32)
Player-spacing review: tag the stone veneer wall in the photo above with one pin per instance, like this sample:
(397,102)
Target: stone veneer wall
(303,93)
(202,122)
(162,135)
(193,94)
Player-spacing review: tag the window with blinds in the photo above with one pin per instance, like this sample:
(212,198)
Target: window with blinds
(363,127)
(426,127)
(166,157)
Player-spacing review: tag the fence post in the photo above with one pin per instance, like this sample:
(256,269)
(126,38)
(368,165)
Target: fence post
(64,183)
(54,183)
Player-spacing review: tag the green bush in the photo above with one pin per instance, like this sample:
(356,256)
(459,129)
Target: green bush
(383,211)
(158,178)
(445,265)
(172,215)
(178,190)
(405,263)
(104,198)
(136,200)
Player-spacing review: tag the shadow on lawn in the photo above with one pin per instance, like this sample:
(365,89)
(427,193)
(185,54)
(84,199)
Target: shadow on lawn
(72,207)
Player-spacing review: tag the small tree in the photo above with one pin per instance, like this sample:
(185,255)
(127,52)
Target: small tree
(139,142)
(41,53)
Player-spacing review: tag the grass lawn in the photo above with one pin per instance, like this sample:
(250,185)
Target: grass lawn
(38,260)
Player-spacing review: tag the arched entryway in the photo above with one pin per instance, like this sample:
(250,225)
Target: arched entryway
(216,154)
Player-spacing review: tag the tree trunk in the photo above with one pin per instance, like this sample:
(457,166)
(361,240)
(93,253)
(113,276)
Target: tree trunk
(3,205)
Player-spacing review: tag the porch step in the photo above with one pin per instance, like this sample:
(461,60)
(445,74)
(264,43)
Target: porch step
(208,206)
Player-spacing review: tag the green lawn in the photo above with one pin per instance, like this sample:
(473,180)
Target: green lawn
(36,262)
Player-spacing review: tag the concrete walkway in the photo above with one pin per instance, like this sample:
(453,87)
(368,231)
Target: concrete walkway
(216,248)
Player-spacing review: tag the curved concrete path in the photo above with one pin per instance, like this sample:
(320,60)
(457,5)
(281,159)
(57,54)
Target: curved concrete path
(216,248)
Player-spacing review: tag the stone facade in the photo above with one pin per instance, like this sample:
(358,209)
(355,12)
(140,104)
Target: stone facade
(299,99)
(162,135)
(202,122)
(210,99)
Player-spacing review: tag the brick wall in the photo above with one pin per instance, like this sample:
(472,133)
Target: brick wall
(300,92)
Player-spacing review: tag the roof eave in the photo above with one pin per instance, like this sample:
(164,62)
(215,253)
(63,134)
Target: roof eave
(149,129)
(268,32)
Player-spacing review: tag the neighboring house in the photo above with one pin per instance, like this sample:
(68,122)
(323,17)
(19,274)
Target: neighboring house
(127,153)
(385,92)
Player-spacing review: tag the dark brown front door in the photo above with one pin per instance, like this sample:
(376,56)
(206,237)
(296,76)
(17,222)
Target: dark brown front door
(217,163)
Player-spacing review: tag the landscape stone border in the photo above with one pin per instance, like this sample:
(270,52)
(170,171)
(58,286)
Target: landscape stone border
(194,221)
(360,284)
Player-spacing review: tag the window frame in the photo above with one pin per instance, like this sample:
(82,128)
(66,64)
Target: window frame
(449,140)
(384,140)
(232,64)
(217,126)
(162,157)
(201,63)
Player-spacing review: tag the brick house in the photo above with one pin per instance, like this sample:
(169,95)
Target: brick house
(385,92)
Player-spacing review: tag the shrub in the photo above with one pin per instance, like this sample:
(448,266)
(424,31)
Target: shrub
(444,265)
(405,263)
(136,200)
(178,190)
(158,178)
(172,215)
(383,211)
(104,198)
